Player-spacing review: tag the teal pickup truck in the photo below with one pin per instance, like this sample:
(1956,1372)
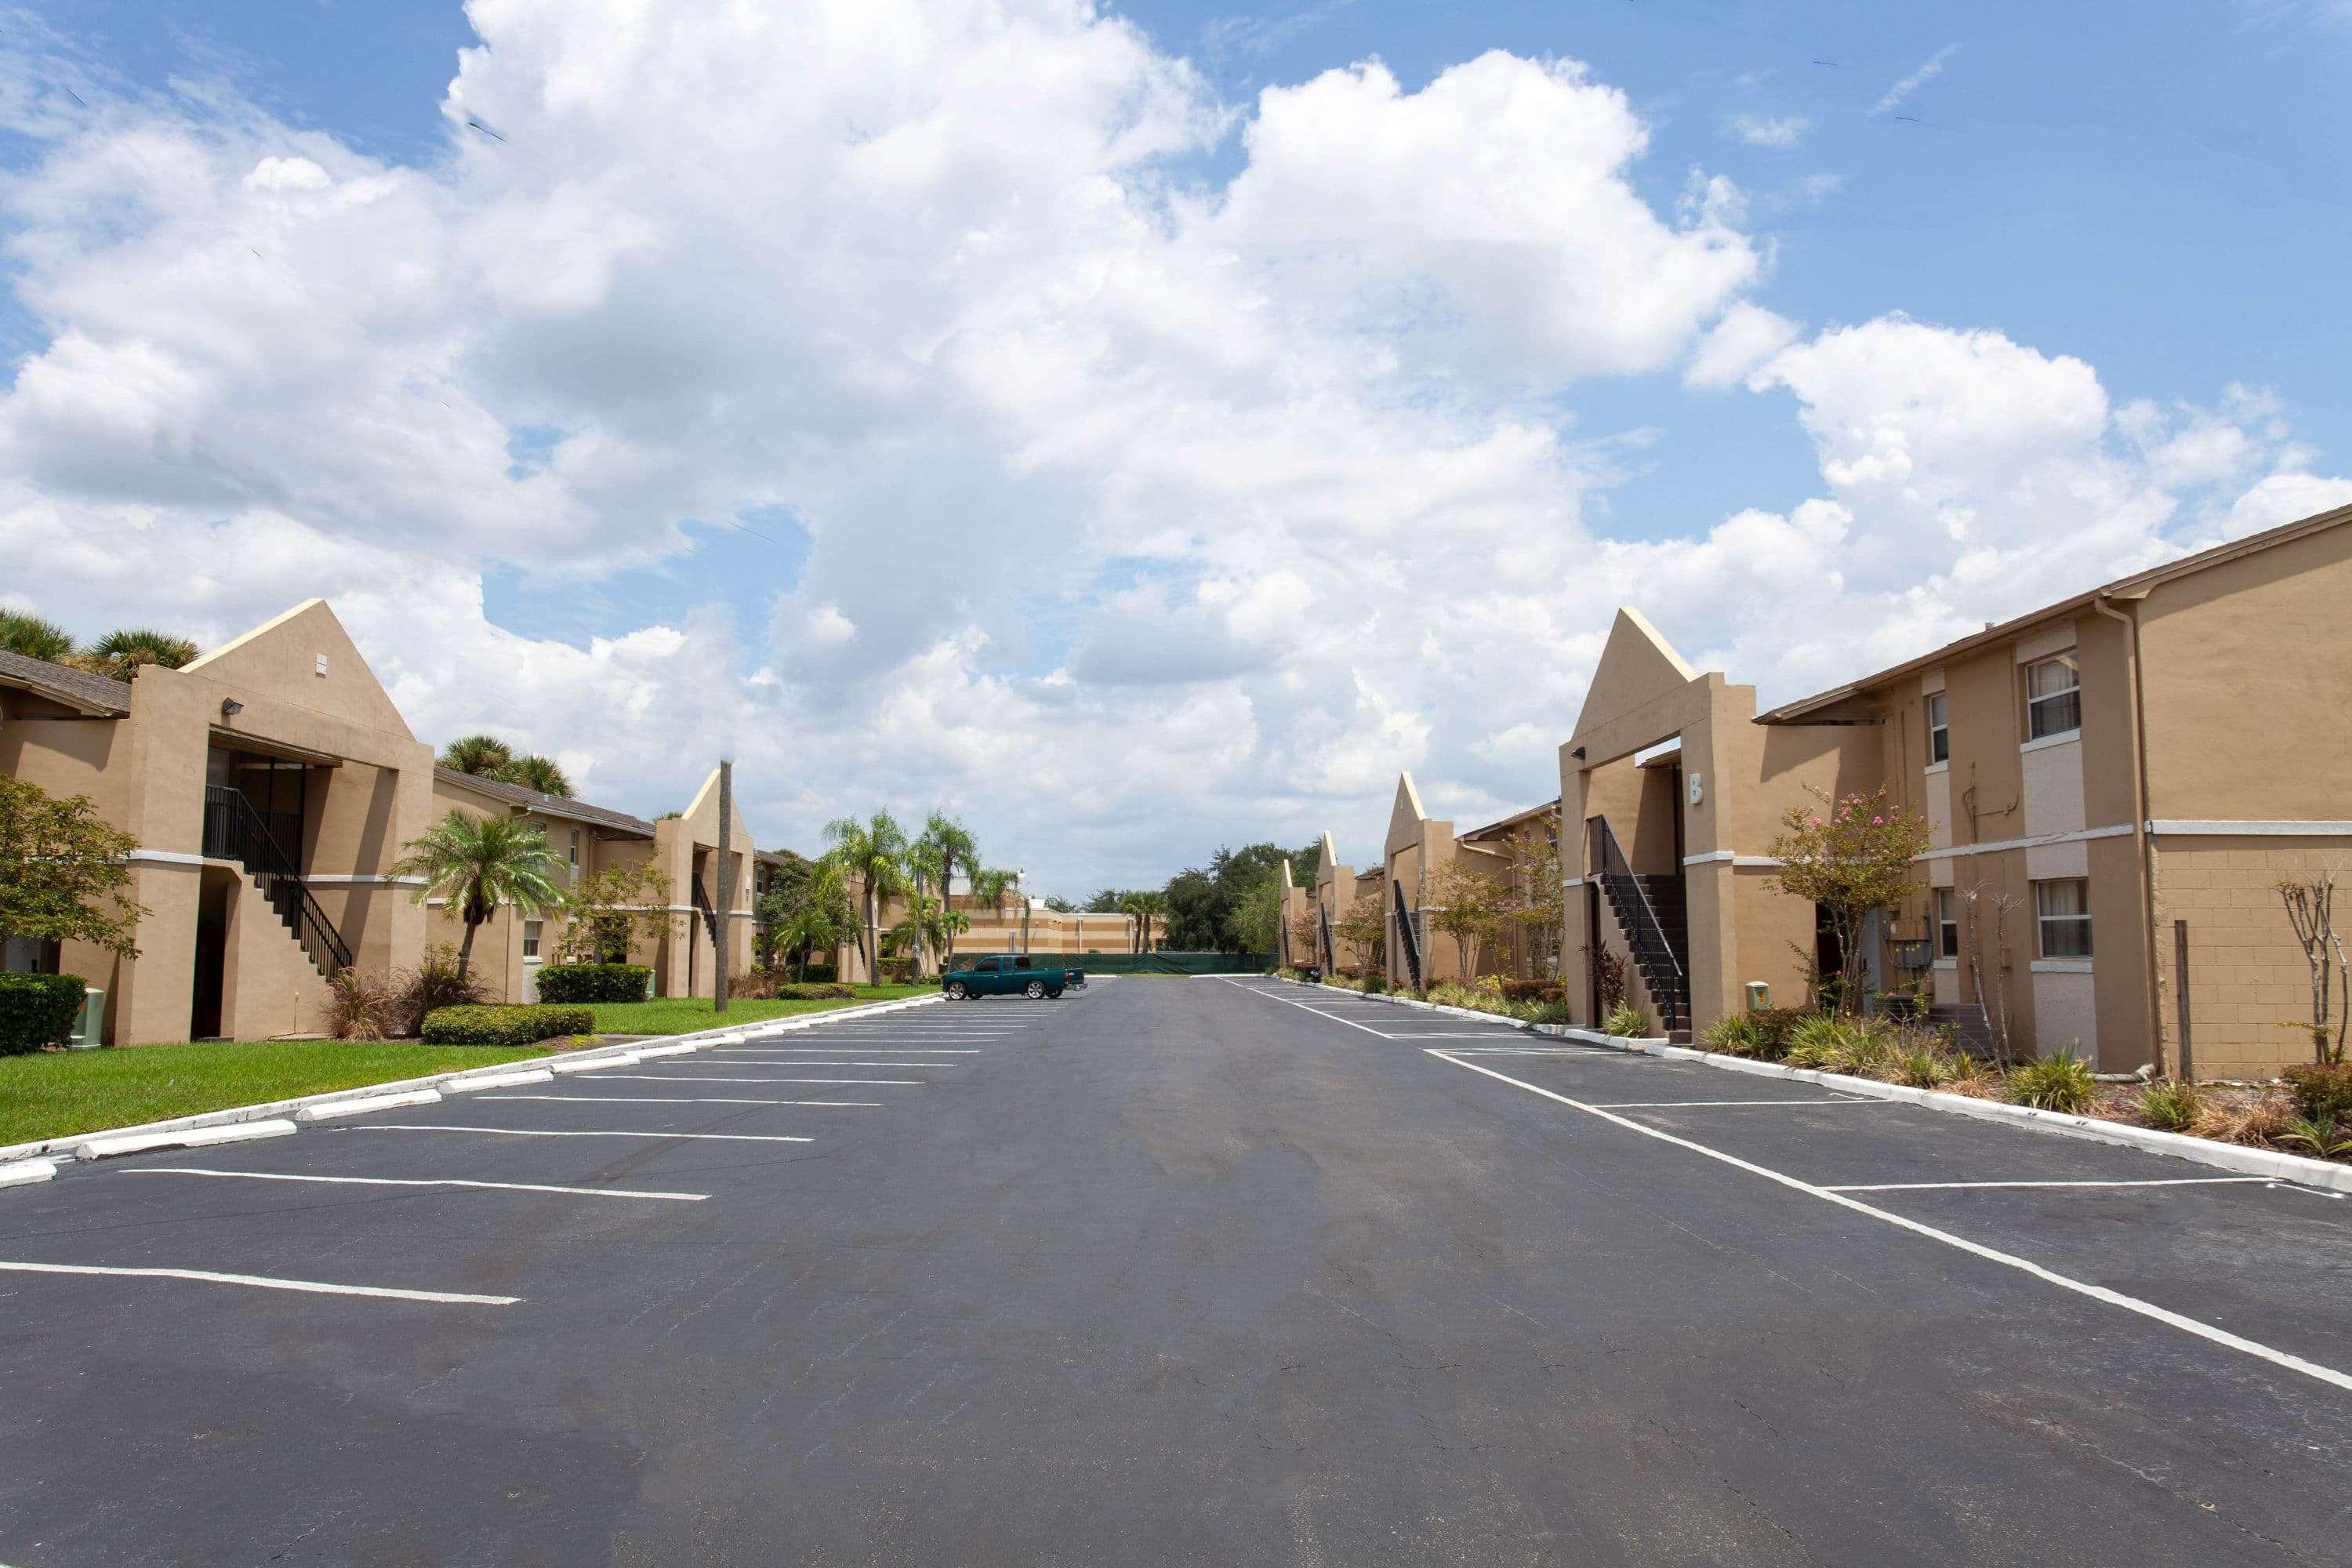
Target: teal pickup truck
(1008,974)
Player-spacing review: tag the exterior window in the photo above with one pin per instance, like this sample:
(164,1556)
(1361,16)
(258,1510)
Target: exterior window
(576,848)
(531,930)
(2053,697)
(2062,910)
(1940,732)
(1948,924)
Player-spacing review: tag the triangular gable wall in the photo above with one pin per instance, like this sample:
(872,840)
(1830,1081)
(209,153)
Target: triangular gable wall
(1637,665)
(1406,816)
(279,659)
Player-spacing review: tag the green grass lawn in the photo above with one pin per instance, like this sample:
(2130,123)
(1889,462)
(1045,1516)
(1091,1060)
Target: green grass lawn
(49,1094)
(684,1016)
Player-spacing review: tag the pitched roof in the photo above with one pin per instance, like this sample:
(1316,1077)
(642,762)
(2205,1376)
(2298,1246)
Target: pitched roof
(63,683)
(553,806)
(2136,587)
(1513,820)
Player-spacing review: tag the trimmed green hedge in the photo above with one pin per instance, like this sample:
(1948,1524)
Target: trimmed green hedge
(814,993)
(39,1010)
(593,982)
(822,974)
(505,1023)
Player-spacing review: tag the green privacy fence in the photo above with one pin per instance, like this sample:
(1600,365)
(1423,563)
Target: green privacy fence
(1167,962)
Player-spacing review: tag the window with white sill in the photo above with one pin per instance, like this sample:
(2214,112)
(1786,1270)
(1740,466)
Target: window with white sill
(2053,697)
(2062,911)
(1939,729)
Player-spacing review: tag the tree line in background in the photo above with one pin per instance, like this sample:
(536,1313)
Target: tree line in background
(1234,904)
(838,898)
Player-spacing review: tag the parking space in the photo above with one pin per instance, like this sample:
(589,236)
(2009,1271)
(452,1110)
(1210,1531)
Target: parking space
(1183,1271)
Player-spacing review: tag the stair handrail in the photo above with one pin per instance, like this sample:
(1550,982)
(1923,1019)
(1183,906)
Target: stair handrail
(1406,934)
(702,907)
(234,831)
(1330,953)
(1615,868)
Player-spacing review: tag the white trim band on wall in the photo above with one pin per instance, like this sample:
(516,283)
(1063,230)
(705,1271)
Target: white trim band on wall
(162,858)
(1731,857)
(2196,828)
(2079,836)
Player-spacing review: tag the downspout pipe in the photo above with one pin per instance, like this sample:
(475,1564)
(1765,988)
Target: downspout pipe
(2140,822)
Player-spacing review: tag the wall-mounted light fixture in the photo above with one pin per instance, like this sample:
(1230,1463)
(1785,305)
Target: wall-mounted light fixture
(1577,753)
(231,707)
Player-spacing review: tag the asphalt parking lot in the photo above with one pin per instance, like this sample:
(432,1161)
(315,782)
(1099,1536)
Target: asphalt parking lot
(1175,1271)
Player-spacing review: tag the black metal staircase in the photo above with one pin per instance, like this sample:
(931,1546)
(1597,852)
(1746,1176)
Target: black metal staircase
(1330,953)
(1651,914)
(1409,940)
(702,907)
(234,831)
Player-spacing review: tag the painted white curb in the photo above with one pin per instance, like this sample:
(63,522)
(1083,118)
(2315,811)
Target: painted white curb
(186,1138)
(498,1080)
(64,1144)
(2273,1165)
(361,1107)
(645,1054)
(23,1173)
(590,1064)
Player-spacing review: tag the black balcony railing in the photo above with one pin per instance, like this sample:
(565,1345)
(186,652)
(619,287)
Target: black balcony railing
(1645,934)
(1408,939)
(234,831)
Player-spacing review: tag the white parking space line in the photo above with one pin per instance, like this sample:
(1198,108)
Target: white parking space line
(264,1282)
(1741,1105)
(833,1062)
(1318,1012)
(687,1099)
(540,1132)
(1964,1187)
(419,1182)
(2204,1330)
(845,1050)
(699,1078)
(1584,1053)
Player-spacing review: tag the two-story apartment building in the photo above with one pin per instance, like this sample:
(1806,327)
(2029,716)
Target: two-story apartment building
(2163,749)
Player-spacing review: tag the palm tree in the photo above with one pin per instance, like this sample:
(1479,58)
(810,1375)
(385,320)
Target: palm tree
(822,916)
(486,756)
(990,886)
(874,852)
(1149,907)
(928,921)
(33,638)
(1130,904)
(476,863)
(535,772)
(120,653)
(952,843)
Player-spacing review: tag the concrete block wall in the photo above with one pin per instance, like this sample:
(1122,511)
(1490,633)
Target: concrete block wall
(2247,973)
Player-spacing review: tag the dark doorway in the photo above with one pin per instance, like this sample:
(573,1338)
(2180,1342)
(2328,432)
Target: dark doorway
(1828,956)
(211,963)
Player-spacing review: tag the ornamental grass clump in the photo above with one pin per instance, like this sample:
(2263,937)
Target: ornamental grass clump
(2172,1106)
(2061,1083)
(1626,1022)
(1734,1034)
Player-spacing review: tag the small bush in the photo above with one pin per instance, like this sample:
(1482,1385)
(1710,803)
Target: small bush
(1817,1041)
(433,983)
(1533,991)
(1773,1029)
(820,974)
(1921,1066)
(1552,1013)
(39,1010)
(2324,1139)
(596,982)
(363,1006)
(2062,1082)
(1626,1022)
(2321,1093)
(505,1023)
(2257,1121)
(1734,1034)
(1375,984)
(814,992)
(2173,1106)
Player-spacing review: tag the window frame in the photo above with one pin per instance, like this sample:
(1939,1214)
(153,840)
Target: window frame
(575,849)
(1939,728)
(1944,913)
(2043,920)
(533,932)
(2073,694)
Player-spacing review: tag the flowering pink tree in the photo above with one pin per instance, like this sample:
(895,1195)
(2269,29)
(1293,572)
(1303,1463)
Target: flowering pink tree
(1849,855)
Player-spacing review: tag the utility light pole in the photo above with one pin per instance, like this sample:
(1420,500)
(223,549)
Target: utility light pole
(726,900)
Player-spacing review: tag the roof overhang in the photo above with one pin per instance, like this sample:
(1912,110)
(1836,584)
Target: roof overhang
(281,750)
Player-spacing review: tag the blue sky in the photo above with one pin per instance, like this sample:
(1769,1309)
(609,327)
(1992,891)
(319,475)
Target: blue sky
(1297,463)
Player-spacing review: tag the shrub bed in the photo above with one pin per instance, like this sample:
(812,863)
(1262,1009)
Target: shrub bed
(594,983)
(39,1010)
(505,1023)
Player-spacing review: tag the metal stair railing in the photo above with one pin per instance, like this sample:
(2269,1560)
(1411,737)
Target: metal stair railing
(1407,935)
(1631,902)
(1330,953)
(702,907)
(234,831)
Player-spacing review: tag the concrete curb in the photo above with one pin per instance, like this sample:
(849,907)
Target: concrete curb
(22,1173)
(2272,1163)
(107,1147)
(329,1112)
(63,1146)
(499,1080)
(1470,1013)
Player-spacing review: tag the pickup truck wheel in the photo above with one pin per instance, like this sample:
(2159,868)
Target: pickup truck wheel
(1034,991)
(1054,996)
(956,992)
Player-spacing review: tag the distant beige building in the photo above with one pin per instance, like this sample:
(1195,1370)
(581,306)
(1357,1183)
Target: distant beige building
(1419,853)
(1017,925)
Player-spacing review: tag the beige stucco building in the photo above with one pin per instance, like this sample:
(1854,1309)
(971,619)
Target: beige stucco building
(270,788)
